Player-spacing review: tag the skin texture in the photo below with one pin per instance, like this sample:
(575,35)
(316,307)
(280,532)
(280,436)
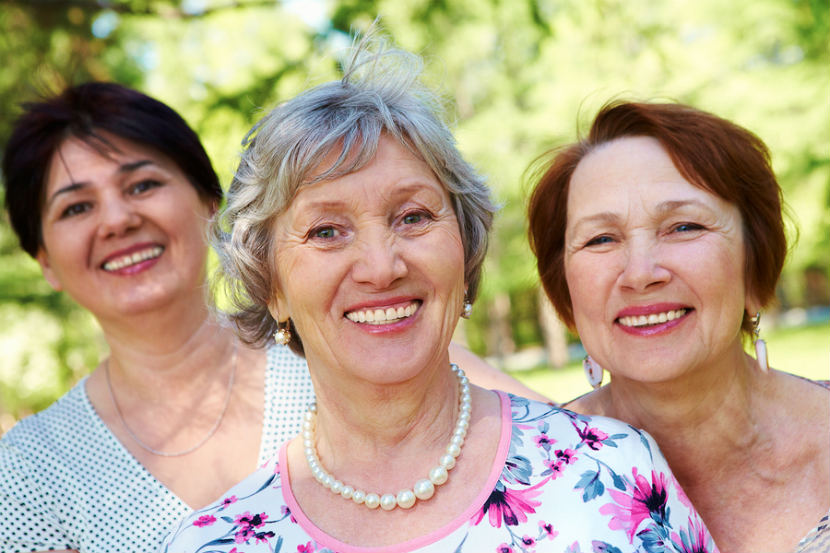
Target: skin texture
(384,236)
(751,449)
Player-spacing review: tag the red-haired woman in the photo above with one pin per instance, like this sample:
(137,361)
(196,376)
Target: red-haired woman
(660,239)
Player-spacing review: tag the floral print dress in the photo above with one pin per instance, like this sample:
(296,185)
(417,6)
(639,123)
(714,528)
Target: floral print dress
(561,482)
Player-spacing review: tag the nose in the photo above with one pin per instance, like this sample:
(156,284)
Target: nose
(117,217)
(643,267)
(379,262)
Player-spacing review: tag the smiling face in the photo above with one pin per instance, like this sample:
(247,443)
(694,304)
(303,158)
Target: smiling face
(654,264)
(124,232)
(370,268)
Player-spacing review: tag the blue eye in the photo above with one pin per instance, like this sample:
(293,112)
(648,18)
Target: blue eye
(686,227)
(604,239)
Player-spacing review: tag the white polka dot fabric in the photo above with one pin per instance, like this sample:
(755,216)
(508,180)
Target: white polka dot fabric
(67,483)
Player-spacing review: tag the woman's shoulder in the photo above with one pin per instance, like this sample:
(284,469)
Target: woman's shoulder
(58,424)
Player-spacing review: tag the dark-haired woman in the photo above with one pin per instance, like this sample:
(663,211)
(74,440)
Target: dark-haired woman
(660,239)
(111,191)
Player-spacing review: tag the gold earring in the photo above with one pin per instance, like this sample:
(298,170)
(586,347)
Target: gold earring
(283,334)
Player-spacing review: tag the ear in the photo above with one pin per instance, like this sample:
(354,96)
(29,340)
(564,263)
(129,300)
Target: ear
(277,305)
(49,274)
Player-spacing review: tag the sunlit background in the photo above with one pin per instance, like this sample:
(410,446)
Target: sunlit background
(519,77)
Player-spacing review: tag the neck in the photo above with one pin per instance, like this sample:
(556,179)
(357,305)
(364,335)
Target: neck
(703,420)
(163,355)
(373,423)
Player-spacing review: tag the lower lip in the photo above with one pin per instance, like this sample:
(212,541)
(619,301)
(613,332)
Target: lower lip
(651,330)
(135,269)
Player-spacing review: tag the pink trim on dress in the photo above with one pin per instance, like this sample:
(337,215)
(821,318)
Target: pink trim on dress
(330,542)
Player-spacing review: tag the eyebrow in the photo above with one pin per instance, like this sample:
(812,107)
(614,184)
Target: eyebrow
(74,186)
(662,208)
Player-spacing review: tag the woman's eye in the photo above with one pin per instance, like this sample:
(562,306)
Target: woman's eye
(144,186)
(75,209)
(325,233)
(598,240)
(412,218)
(686,227)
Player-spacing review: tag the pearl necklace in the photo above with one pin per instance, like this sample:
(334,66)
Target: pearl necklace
(423,489)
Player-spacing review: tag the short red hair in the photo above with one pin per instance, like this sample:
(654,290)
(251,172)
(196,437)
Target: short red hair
(710,152)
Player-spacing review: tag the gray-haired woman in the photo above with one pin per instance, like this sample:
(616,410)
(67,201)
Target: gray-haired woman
(356,232)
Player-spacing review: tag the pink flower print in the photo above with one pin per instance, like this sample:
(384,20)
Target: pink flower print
(235,550)
(555,467)
(204,520)
(592,437)
(286,511)
(504,548)
(694,540)
(263,537)
(528,540)
(246,524)
(647,501)
(228,501)
(544,441)
(566,456)
(508,505)
(305,548)
(547,530)
(246,520)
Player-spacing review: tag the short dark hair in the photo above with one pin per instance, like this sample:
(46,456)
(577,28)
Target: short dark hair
(710,152)
(85,112)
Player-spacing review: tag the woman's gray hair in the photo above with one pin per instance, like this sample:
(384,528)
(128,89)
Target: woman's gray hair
(380,92)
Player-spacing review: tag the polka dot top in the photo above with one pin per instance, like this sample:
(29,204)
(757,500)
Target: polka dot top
(66,482)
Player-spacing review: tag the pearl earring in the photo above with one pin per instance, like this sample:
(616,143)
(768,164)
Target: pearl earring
(283,334)
(467,310)
(760,344)
(593,372)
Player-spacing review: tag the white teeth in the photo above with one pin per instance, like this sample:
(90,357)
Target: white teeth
(652,319)
(381,316)
(132,259)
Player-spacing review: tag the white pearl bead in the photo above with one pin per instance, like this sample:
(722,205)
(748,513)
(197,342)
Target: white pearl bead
(405,499)
(438,475)
(372,500)
(424,489)
(388,502)
(447,461)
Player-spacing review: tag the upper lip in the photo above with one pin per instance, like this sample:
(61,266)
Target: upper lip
(383,304)
(637,310)
(128,251)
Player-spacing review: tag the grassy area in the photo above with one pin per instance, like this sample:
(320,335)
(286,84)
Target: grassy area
(804,351)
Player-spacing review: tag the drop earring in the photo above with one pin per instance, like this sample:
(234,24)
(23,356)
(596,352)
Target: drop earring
(593,372)
(467,309)
(283,334)
(760,344)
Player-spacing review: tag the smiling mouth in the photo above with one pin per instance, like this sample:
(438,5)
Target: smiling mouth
(383,316)
(652,319)
(132,259)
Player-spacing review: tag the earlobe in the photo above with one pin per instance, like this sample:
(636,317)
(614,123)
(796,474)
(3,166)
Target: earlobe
(276,305)
(46,269)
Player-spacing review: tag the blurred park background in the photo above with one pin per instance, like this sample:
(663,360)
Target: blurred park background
(519,76)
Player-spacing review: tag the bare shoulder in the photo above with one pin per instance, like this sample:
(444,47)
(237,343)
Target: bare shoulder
(592,403)
(483,374)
